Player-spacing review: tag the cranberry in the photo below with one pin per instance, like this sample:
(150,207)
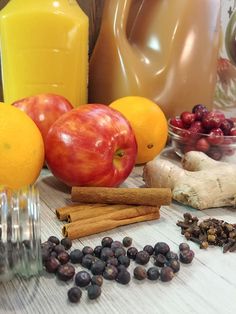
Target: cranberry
(219,114)
(202,145)
(187,117)
(177,122)
(232,132)
(216,136)
(199,111)
(212,120)
(196,127)
(186,136)
(226,126)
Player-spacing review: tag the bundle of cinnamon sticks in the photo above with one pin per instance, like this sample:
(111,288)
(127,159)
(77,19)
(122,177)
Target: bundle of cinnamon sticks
(97,209)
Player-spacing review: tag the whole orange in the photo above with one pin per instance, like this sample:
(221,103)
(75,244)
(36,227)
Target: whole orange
(148,122)
(21,148)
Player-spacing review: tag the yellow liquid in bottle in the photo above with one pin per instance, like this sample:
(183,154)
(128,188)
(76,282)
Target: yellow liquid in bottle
(44,49)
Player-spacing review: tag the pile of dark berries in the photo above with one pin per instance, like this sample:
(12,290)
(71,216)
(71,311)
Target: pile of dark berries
(203,130)
(110,260)
(209,232)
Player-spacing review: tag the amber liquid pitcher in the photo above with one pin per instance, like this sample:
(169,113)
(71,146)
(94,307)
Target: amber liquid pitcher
(161,49)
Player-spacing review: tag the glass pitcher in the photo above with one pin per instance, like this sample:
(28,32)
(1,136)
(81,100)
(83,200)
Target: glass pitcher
(164,50)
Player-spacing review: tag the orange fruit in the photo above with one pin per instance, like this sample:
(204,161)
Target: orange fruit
(148,122)
(21,148)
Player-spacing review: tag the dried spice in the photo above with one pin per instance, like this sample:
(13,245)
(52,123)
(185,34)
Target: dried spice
(209,232)
(111,261)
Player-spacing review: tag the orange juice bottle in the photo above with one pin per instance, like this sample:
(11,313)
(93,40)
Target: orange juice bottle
(44,49)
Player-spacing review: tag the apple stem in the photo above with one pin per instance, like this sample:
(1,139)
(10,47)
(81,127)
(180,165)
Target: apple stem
(119,153)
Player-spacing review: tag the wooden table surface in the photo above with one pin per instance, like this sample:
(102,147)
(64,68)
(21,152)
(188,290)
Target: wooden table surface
(208,285)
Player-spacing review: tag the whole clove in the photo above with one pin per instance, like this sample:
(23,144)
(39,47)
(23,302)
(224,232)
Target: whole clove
(227,246)
(209,232)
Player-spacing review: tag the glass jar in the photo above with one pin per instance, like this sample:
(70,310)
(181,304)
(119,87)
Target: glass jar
(20,251)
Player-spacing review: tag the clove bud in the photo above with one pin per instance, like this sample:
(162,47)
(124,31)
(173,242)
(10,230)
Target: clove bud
(210,231)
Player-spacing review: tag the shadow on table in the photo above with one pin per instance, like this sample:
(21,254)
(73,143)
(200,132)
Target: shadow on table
(56,184)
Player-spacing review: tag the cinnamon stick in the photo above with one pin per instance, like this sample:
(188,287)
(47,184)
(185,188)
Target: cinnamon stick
(85,213)
(63,212)
(137,196)
(102,223)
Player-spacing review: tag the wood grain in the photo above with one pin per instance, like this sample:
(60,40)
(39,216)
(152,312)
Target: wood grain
(206,286)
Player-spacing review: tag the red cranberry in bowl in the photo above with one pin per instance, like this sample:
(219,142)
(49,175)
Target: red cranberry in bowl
(216,136)
(202,145)
(212,120)
(199,111)
(226,126)
(185,136)
(187,117)
(177,122)
(232,132)
(196,127)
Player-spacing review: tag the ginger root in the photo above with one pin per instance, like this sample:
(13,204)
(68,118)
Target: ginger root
(201,182)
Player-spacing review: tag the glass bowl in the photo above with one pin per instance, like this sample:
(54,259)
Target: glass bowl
(221,148)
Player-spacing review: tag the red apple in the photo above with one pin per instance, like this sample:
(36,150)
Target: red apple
(44,109)
(93,145)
